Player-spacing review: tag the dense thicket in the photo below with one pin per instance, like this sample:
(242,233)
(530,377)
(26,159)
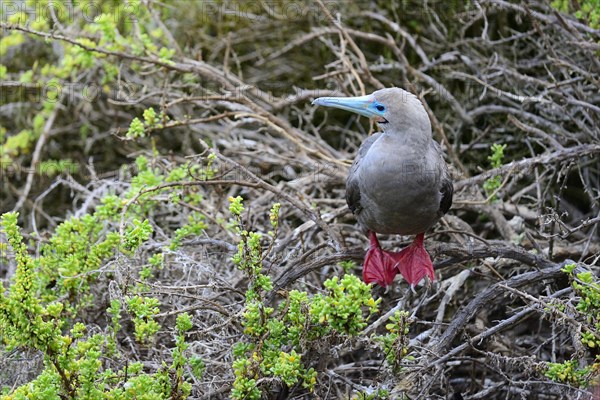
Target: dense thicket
(140,123)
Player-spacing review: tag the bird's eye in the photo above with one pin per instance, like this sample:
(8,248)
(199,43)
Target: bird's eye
(380,107)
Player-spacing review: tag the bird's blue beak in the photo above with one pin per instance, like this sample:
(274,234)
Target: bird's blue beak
(363,105)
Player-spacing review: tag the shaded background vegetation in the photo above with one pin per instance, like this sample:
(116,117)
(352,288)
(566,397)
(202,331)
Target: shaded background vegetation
(104,100)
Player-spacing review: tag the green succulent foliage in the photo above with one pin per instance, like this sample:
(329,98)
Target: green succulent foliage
(136,129)
(180,358)
(24,318)
(32,316)
(587,286)
(114,311)
(146,189)
(250,254)
(135,235)
(236,206)
(344,305)
(195,226)
(395,342)
(45,306)
(155,263)
(125,27)
(496,159)
(587,10)
(152,121)
(143,310)
(379,394)
(587,307)
(569,372)
(197,366)
(277,337)
(55,167)
(348,266)
(73,256)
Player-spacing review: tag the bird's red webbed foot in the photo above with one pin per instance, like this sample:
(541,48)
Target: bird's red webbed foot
(379,266)
(413,262)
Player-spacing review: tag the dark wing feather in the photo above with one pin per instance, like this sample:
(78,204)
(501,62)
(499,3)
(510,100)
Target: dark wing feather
(353,196)
(352,184)
(447,193)
(447,188)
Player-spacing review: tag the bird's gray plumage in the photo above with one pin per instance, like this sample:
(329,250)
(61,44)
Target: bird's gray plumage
(399,182)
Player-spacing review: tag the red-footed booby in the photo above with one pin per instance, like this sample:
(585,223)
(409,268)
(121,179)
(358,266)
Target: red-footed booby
(399,182)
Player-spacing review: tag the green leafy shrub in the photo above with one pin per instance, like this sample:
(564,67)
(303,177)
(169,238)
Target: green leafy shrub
(33,316)
(152,121)
(587,10)
(587,310)
(569,372)
(279,341)
(379,394)
(143,310)
(395,342)
(491,185)
(46,304)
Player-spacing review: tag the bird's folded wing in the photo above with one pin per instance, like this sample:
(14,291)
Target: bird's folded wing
(352,183)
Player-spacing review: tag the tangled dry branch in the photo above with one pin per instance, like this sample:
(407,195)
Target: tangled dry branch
(493,72)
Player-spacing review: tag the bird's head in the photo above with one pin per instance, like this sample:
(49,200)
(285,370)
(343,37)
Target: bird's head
(393,109)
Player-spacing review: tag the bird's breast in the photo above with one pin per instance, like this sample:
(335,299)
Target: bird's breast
(400,189)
